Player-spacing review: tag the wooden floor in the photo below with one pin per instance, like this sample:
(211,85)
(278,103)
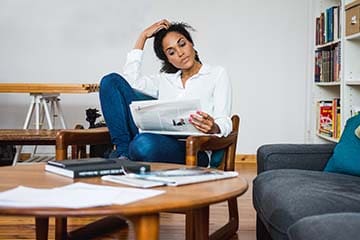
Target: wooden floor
(171,225)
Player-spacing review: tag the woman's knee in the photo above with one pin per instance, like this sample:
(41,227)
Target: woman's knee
(157,148)
(142,147)
(110,80)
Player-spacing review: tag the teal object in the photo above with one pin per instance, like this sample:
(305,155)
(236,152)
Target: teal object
(216,158)
(346,156)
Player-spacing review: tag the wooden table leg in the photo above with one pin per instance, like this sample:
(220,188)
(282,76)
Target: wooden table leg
(42,228)
(146,227)
(197,224)
(230,228)
(60,228)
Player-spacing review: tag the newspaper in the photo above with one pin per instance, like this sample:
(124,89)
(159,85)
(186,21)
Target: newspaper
(166,117)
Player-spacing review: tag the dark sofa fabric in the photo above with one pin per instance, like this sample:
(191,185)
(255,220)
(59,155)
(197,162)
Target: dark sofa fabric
(291,186)
(293,156)
(335,226)
(295,194)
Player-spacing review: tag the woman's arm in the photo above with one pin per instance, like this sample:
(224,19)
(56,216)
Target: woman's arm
(132,68)
(223,103)
(220,121)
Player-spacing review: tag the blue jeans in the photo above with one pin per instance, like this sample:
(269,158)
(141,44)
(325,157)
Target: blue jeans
(115,97)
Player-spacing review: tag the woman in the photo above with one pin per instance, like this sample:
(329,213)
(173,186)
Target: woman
(182,76)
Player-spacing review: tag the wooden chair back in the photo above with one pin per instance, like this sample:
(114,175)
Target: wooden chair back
(78,138)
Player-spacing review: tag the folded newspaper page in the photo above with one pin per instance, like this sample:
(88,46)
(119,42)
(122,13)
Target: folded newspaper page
(165,117)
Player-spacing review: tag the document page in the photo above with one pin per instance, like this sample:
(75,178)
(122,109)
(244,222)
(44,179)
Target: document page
(76,195)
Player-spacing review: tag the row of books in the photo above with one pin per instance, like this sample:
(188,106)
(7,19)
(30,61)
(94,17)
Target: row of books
(328,26)
(328,64)
(329,118)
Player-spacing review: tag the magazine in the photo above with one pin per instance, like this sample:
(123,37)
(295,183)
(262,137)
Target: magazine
(166,117)
(171,177)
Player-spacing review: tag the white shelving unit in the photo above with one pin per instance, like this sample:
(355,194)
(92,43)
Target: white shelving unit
(348,88)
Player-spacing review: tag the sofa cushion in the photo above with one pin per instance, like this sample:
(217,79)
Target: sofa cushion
(282,197)
(326,227)
(346,156)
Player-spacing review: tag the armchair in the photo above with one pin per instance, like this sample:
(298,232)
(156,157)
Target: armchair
(77,138)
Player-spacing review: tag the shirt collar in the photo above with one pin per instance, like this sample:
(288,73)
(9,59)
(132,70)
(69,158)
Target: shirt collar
(205,69)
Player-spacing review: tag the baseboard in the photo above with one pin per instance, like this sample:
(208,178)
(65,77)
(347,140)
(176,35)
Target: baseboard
(245,158)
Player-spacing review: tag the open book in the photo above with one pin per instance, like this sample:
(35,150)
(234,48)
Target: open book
(165,117)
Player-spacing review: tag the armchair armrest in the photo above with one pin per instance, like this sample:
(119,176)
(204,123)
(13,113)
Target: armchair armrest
(295,156)
(194,144)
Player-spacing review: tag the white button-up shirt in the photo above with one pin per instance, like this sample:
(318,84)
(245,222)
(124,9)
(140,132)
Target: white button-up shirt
(211,85)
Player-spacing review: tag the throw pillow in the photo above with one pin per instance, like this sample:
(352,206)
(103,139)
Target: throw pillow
(346,156)
(357,131)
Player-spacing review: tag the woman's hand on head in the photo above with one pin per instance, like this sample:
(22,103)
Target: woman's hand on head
(150,32)
(155,27)
(204,122)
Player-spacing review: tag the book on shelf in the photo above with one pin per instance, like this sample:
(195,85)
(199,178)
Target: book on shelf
(329,118)
(322,27)
(336,128)
(317,31)
(325,126)
(336,21)
(330,23)
(317,68)
(171,177)
(338,119)
(92,167)
(166,117)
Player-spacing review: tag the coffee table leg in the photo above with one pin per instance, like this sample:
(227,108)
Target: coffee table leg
(146,227)
(60,228)
(42,228)
(197,224)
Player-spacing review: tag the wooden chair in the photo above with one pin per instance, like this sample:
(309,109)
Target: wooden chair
(79,137)
(194,144)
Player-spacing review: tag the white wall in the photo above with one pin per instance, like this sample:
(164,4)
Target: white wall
(262,44)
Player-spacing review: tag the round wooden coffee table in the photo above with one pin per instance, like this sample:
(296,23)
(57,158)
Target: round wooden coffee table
(143,214)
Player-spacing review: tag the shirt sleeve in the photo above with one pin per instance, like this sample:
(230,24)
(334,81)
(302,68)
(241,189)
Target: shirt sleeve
(132,73)
(222,103)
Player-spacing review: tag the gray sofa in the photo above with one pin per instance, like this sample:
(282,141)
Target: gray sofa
(294,199)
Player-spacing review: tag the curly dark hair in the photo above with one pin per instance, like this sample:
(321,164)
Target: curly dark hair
(181,28)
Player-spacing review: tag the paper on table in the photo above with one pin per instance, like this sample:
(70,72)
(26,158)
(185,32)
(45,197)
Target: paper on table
(76,195)
(137,180)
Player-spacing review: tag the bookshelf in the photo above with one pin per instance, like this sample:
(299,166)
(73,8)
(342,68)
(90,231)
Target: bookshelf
(335,71)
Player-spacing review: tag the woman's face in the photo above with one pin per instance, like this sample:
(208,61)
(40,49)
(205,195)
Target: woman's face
(178,50)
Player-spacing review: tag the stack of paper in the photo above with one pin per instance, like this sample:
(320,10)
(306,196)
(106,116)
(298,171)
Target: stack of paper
(76,195)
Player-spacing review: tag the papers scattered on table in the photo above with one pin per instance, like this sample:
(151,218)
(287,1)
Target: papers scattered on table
(76,195)
(169,178)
